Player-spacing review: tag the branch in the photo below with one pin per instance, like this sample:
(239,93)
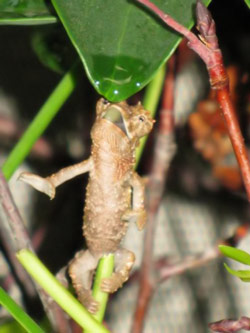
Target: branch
(229,325)
(188,263)
(163,153)
(15,237)
(207,48)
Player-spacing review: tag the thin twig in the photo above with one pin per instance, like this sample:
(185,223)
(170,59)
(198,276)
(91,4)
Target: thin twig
(188,263)
(15,237)
(208,49)
(229,325)
(164,151)
(168,270)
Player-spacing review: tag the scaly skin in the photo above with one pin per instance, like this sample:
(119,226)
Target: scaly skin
(115,194)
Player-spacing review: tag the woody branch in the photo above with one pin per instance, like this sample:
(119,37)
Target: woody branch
(206,46)
(164,151)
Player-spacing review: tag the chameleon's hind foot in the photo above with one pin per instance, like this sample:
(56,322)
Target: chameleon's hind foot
(39,183)
(88,301)
(114,282)
(81,270)
(124,261)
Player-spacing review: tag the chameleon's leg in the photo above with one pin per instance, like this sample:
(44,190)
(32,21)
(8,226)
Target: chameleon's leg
(137,213)
(81,270)
(124,261)
(48,185)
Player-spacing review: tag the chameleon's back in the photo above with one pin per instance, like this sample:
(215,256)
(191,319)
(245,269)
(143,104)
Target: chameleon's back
(108,192)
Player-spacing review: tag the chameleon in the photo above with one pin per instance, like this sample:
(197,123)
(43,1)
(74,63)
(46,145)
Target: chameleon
(114,195)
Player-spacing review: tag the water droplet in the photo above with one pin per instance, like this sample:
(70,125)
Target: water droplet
(97,83)
(116,92)
(138,84)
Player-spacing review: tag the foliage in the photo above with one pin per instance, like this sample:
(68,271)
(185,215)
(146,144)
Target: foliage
(25,12)
(237,255)
(247,3)
(120,43)
(18,313)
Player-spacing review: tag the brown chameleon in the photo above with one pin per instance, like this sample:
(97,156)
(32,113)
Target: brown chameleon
(114,195)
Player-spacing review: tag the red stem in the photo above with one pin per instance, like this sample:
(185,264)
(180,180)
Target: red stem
(201,49)
(207,48)
(235,135)
(164,152)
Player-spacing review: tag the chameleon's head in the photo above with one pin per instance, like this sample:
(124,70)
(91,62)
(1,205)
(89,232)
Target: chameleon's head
(135,121)
(139,123)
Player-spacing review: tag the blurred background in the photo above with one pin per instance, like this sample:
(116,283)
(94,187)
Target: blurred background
(204,200)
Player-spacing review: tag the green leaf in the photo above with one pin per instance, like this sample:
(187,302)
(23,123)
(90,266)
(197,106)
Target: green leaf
(243,275)
(120,42)
(245,279)
(25,12)
(40,44)
(12,326)
(235,254)
(18,313)
(247,3)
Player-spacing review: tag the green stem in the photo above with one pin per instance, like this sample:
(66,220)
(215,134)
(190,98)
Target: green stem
(60,294)
(104,270)
(43,118)
(150,102)
(17,312)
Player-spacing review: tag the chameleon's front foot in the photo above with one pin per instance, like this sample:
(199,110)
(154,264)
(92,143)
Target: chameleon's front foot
(39,183)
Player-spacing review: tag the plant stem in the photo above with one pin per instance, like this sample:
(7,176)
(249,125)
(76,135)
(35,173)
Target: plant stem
(43,118)
(17,312)
(229,325)
(60,294)
(14,237)
(208,49)
(150,103)
(104,270)
(163,153)
(235,135)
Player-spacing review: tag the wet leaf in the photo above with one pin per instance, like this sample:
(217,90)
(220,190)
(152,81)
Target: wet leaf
(235,254)
(120,42)
(25,12)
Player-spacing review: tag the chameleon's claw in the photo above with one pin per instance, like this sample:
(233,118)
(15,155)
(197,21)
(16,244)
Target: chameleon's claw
(39,183)
(138,216)
(93,307)
(141,219)
(89,302)
(111,284)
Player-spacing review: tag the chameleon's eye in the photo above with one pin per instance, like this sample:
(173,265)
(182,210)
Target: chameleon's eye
(142,119)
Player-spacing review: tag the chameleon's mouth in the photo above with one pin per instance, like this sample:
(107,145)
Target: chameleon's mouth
(114,115)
